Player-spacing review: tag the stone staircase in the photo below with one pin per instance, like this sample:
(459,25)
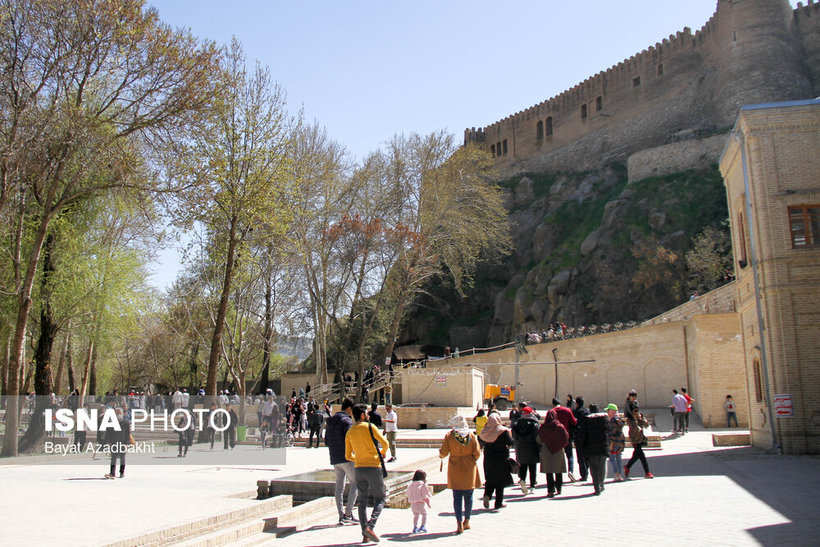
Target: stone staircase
(260,521)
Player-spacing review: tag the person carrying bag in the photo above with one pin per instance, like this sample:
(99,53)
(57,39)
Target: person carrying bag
(362,447)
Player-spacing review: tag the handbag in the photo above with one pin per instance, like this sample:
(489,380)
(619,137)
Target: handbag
(515,467)
(378,452)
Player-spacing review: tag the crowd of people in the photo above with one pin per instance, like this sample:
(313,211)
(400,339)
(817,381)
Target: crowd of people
(358,439)
(560,331)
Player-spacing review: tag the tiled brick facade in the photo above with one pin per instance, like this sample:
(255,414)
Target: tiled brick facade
(781,144)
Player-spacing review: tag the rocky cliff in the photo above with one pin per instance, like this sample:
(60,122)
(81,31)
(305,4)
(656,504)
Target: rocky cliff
(590,248)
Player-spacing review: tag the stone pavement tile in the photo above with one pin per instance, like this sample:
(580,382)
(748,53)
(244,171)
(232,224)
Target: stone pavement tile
(710,496)
(732,496)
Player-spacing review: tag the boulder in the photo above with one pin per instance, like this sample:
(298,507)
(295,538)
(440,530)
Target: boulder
(524,192)
(589,244)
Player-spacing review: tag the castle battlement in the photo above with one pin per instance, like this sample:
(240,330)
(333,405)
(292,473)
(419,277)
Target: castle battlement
(685,81)
(806,11)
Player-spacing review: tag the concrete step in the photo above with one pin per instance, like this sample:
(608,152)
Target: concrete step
(304,515)
(282,522)
(182,532)
(732,438)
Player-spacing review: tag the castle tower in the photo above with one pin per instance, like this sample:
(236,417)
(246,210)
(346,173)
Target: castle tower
(757,57)
(771,168)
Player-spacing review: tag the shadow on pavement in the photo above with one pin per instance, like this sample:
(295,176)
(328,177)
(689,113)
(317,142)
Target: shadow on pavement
(406,537)
(788,484)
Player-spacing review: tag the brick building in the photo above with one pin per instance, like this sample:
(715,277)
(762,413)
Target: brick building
(771,169)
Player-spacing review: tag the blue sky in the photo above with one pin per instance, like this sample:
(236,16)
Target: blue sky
(367,70)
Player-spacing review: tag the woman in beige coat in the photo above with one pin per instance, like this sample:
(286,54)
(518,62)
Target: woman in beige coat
(462,471)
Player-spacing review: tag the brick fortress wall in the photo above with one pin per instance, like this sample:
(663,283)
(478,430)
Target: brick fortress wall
(750,51)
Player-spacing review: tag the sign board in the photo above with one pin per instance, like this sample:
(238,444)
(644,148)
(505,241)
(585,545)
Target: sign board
(441,380)
(387,361)
(783,406)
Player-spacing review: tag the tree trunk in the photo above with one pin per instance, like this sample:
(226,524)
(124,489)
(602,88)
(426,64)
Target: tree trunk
(36,433)
(92,376)
(6,367)
(216,339)
(72,380)
(263,388)
(394,326)
(58,379)
(86,370)
(20,328)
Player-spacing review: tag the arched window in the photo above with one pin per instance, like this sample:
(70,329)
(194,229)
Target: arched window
(549,127)
(539,130)
(583,112)
(492,149)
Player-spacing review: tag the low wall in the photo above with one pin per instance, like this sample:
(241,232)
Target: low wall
(703,354)
(443,386)
(720,301)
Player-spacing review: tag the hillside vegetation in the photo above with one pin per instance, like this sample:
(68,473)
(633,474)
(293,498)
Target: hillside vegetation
(589,249)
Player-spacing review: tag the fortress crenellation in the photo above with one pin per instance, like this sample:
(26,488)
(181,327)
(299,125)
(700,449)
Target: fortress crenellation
(748,51)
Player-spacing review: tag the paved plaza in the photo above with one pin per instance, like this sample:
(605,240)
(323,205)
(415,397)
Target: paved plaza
(701,495)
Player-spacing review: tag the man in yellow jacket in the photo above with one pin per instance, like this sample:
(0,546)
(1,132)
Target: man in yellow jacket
(360,448)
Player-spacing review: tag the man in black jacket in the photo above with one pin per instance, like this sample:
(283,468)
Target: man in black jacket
(374,417)
(229,435)
(580,413)
(594,440)
(117,442)
(337,426)
(314,420)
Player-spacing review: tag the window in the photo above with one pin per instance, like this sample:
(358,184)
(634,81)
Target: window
(599,103)
(498,148)
(504,146)
(583,112)
(742,260)
(758,372)
(804,223)
(539,130)
(492,149)
(549,127)
(660,69)
(636,81)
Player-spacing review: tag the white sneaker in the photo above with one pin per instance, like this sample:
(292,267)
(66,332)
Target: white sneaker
(523,486)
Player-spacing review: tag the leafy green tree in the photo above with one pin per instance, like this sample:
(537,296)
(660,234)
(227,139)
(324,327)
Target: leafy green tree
(452,213)
(87,86)
(325,194)
(709,261)
(237,169)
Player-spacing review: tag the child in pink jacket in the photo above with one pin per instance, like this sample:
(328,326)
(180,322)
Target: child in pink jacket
(419,497)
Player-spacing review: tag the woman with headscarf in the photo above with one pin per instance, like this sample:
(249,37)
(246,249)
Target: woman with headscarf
(462,471)
(497,441)
(553,437)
